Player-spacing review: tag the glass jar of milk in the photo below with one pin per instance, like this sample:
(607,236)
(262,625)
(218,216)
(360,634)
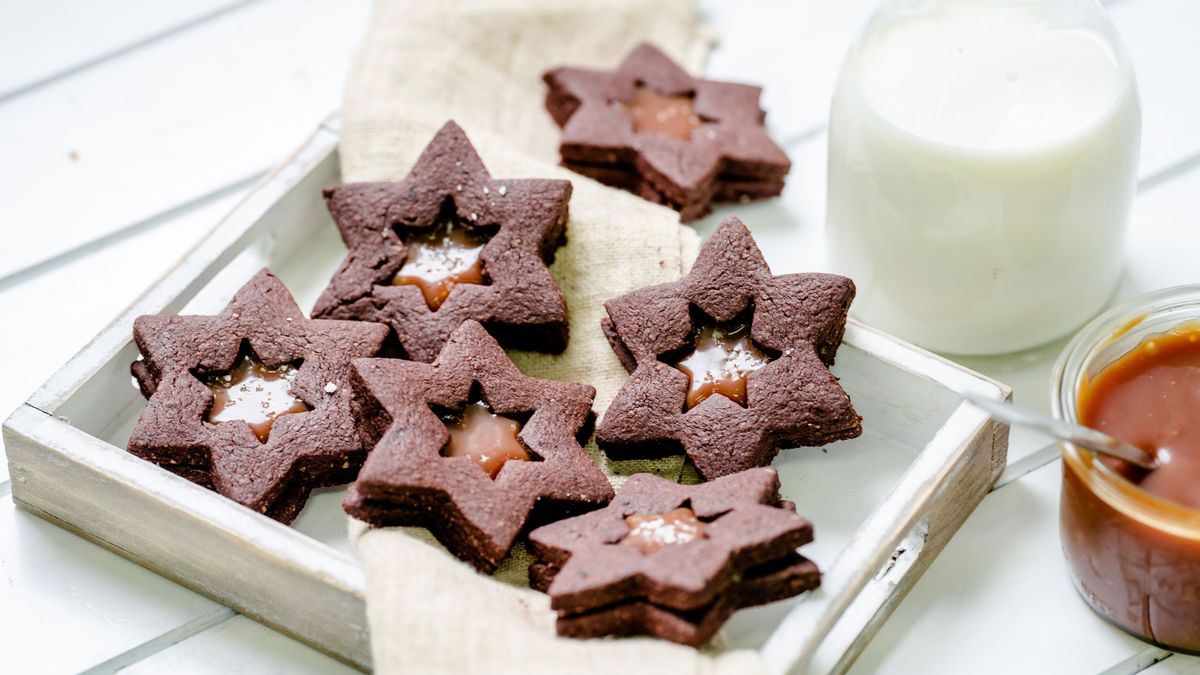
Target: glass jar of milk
(982,161)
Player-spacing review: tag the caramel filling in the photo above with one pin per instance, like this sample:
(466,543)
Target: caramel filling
(254,393)
(439,259)
(487,438)
(655,112)
(655,531)
(722,359)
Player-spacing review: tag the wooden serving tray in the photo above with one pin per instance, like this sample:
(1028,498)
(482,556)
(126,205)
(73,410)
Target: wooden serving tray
(884,504)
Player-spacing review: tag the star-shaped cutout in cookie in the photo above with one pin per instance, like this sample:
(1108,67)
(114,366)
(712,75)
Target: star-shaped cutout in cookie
(652,129)
(684,588)
(410,478)
(791,399)
(192,365)
(501,234)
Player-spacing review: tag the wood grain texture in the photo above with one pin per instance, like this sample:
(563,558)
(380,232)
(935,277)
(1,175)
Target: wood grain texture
(48,40)
(53,583)
(136,136)
(999,600)
(188,534)
(238,646)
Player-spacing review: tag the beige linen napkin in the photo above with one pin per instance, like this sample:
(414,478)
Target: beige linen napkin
(479,62)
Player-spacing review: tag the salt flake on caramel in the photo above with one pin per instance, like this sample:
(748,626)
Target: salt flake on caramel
(440,259)
(254,393)
(489,439)
(655,531)
(724,356)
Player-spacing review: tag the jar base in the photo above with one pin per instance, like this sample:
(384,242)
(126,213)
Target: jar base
(1125,629)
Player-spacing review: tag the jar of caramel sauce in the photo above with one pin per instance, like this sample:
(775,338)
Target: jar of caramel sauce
(1132,537)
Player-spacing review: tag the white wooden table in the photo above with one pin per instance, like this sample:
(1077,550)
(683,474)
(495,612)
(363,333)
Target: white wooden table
(129,127)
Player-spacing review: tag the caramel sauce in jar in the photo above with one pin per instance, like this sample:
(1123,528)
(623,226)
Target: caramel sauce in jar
(1130,536)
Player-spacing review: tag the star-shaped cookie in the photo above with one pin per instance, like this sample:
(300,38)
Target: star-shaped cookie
(413,413)
(650,128)
(776,371)
(501,234)
(198,420)
(737,550)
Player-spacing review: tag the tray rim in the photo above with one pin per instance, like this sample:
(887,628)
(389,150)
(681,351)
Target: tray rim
(35,426)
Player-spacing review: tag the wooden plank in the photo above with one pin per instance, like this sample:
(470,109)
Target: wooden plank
(943,486)
(1176,664)
(999,599)
(56,586)
(235,556)
(792,48)
(1161,38)
(71,306)
(238,646)
(44,40)
(135,136)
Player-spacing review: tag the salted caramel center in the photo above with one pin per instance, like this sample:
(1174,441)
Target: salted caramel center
(655,531)
(655,112)
(254,393)
(487,438)
(439,259)
(720,362)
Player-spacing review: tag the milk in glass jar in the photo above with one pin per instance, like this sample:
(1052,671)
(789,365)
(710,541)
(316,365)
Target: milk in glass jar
(982,162)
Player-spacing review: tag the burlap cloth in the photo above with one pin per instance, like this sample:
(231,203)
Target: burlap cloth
(479,62)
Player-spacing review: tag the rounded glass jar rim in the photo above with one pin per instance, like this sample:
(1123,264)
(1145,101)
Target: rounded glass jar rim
(1070,373)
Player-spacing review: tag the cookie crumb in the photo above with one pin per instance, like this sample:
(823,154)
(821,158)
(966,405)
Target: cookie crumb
(330,387)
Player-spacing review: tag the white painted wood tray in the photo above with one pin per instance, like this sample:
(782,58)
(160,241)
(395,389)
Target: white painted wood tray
(883,505)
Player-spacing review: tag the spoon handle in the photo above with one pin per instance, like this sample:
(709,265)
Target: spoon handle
(1082,436)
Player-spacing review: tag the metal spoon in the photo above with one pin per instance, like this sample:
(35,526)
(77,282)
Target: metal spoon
(1082,436)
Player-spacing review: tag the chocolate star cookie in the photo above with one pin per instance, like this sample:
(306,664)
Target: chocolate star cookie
(471,448)
(650,128)
(673,561)
(449,244)
(252,402)
(730,363)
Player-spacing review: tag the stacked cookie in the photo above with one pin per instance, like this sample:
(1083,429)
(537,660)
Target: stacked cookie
(673,561)
(650,128)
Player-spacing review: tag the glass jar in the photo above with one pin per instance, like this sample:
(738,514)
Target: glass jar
(982,163)
(1134,557)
